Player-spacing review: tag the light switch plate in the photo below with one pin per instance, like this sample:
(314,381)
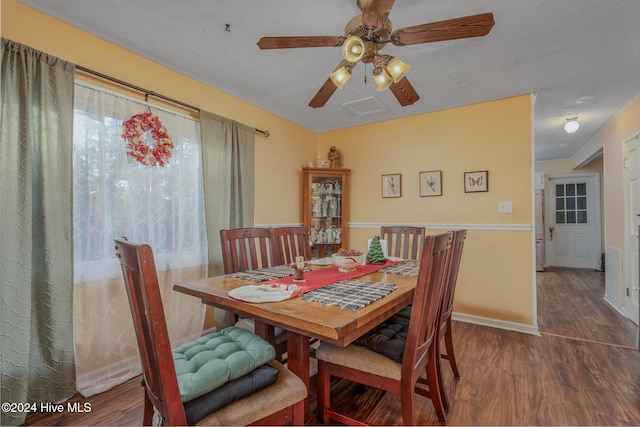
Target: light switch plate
(505,207)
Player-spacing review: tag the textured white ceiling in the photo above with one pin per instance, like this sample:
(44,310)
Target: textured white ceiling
(561,50)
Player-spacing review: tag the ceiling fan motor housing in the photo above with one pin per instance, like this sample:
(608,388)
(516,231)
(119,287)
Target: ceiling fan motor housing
(355,27)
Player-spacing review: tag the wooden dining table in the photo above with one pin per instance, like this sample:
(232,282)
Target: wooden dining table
(302,319)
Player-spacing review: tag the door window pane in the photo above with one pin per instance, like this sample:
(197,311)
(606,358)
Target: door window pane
(582,203)
(581,189)
(582,217)
(571,203)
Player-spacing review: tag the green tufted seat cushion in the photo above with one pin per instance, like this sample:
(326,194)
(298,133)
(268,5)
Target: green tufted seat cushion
(215,359)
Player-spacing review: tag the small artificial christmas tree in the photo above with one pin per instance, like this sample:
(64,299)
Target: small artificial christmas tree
(375,255)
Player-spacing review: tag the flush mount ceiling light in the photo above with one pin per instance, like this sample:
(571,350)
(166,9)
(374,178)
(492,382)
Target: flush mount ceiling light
(572,125)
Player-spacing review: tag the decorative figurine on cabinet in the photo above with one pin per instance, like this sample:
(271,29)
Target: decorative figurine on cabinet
(334,156)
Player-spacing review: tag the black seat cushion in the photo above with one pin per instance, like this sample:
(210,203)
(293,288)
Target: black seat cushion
(231,391)
(388,338)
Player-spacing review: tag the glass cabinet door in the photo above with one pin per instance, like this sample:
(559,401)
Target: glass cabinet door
(325,208)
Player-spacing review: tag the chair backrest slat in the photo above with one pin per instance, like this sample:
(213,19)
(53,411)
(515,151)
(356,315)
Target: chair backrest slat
(292,242)
(248,249)
(403,241)
(457,245)
(143,291)
(427,300)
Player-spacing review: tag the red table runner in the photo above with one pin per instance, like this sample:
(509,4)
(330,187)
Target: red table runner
(318,278)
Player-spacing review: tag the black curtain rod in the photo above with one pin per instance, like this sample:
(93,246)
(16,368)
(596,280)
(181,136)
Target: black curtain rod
(147,92)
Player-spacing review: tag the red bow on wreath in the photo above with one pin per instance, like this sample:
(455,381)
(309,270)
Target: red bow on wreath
(134,130)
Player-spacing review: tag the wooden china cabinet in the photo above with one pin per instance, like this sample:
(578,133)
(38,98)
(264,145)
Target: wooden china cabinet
(325,196)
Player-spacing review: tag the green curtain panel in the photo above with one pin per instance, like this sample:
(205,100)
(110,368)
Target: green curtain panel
(228,150)
(228,159)
(36,231)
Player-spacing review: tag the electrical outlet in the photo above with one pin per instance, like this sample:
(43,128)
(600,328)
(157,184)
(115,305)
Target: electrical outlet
(505,207)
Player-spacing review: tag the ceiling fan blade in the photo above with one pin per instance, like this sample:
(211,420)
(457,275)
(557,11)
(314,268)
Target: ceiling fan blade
(303,41)
(404,92)
(450,29)
(375,12)
(323,95)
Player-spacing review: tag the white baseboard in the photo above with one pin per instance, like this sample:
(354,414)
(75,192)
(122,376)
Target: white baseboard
(617,307)
(494,323)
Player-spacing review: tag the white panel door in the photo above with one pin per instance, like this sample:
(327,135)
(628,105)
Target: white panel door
(632,279)
(573,221)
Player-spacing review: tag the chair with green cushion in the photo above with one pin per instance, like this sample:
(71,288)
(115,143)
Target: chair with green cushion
(225,378)
(252,248)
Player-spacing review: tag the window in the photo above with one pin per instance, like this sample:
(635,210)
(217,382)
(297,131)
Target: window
(115,196)
(571,203)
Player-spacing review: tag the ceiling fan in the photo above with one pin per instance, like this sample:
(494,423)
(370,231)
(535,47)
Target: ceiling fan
(366,34)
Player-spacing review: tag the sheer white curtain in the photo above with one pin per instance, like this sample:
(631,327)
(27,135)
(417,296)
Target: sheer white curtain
(113,196)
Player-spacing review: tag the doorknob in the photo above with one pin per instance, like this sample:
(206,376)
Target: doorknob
(551,230)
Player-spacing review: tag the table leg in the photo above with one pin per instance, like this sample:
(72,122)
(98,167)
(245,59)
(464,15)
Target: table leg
(267,332)
(298,360)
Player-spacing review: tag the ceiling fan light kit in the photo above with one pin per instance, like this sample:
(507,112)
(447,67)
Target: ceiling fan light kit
(368,33)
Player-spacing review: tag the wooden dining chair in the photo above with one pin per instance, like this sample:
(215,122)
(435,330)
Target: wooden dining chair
(457,245)
(248,248)
(405,375)
(292,242)
(188,398)
(445,335)
(252,248)
(403,241)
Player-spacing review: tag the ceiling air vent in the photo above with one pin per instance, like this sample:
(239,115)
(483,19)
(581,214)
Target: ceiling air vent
(365,106)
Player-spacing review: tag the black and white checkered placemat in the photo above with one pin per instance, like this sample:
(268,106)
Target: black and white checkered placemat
(351,294)
(263,274)
(404,268)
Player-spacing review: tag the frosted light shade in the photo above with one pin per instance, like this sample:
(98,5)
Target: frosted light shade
(571,126)
(382,78)
(397,69)
(353,49)
(340,76)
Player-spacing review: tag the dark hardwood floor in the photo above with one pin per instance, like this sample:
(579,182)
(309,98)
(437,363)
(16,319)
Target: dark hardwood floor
(571,304)
(582,370)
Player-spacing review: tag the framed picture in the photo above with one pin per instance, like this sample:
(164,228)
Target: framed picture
(475,182)
(431,183)
(392,185)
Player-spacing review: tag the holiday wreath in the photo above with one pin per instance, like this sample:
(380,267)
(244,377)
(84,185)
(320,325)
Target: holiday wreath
(134,130)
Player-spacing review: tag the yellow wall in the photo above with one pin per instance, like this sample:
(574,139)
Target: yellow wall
(496,278)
